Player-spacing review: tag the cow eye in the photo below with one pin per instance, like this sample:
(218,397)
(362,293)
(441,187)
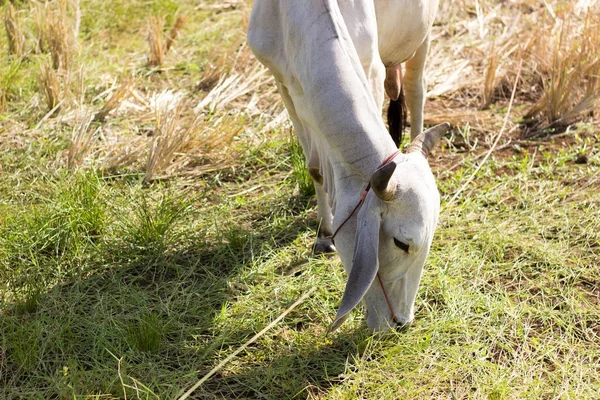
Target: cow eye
(401,245)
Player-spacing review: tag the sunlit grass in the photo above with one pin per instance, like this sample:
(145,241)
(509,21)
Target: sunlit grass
(113,286)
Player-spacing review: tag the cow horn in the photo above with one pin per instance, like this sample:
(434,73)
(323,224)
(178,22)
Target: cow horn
(426,141)
(382,182)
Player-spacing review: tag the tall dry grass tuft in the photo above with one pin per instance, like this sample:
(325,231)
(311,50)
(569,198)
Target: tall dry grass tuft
(80,140)
(216,68)
(115,99)
(175,32)
(59,41)
(213,137)
(171,135)
(159,45)
(155,40)
(49,84)
(487,96)
(39,14)
(16,39)
(76,17)
(122,155)
(57,26)
(56,33)
(246,6)
(234,85)
(568,69)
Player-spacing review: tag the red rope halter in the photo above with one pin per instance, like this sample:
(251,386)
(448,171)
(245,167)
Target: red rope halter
(363,196)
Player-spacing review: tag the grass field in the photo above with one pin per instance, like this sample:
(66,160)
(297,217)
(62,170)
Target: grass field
(155,213)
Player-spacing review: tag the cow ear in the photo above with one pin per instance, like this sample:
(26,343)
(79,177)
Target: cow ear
(365,263)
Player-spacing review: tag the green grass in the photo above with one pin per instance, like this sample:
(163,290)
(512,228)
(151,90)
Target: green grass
(112,287)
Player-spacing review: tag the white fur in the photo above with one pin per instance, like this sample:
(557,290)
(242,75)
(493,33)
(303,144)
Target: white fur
(329,61)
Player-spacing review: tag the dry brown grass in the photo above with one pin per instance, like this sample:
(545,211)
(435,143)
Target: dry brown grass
(171,135)
(39,15)
(567,66)
(14,34)
(80,140)
(214,136)
(115,99)
(56,33)
(209,148)
(218,66)
(60,88)
(184,143)
(558,42)
(233,86)
(490,77)
(57,25)
(123,153)
(2,101)
(156,55)
(159,44)
(175,31)
(50,85)
(181,142)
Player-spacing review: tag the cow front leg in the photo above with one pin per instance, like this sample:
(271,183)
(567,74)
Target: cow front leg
(324,243)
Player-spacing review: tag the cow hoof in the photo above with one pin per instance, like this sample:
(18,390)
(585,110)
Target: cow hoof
(324,246)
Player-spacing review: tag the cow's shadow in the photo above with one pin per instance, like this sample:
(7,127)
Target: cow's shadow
(300,372)
(297,371)
(192,282)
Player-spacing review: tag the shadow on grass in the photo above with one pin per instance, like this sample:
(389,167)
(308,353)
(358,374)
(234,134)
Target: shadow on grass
(304,370)
(150,309)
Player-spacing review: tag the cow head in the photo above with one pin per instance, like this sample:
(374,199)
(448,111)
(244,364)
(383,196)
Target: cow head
(394,230)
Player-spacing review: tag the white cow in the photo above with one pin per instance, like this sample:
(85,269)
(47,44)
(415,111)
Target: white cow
(329,60)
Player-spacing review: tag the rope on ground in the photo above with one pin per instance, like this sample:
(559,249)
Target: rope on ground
(249,342)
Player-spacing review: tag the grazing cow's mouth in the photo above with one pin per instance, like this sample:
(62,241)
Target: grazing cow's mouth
(394,323)
(402,326)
